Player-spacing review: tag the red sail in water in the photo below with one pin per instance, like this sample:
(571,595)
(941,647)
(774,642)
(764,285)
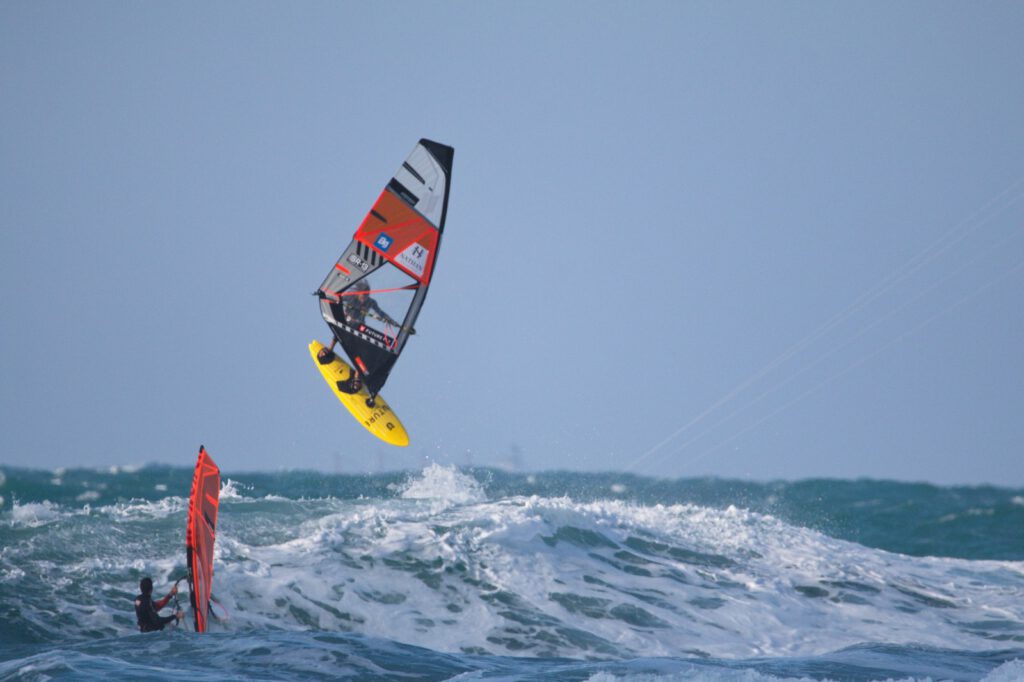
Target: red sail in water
(200,535)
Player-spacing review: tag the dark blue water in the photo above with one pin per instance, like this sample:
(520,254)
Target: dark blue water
(482,574)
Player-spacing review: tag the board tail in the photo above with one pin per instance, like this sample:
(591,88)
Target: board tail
(200,535)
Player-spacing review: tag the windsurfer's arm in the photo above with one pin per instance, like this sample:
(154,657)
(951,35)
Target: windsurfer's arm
(163,602)
(352,312)
(381,315)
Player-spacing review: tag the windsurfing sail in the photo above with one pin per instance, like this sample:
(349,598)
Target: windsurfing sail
(372,296)
(200,535)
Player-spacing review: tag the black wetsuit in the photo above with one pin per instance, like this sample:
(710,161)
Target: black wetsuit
(356,309)
(146,613)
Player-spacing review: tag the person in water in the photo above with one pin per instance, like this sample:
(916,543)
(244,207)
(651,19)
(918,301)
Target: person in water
(356,306)
(147,611)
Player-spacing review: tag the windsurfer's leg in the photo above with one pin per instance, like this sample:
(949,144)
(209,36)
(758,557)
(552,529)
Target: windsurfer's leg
(352,384)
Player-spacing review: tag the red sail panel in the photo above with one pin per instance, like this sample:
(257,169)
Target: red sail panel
(200,535)
(401,235)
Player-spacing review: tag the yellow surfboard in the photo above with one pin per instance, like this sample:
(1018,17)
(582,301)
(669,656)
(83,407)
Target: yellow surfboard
(379,420)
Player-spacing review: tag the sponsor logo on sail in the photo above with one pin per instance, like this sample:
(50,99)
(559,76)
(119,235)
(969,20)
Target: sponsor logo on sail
(414,258)
(358,262)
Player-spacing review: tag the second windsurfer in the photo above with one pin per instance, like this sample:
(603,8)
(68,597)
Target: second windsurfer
(147,611)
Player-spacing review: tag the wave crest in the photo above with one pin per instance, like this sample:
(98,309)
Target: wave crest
(445,485)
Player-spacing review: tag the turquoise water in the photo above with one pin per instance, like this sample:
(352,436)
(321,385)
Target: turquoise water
(483,574)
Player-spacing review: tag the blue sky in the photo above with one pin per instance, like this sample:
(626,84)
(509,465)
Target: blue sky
(756,240)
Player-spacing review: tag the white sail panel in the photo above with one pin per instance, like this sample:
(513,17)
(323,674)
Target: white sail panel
(425,179)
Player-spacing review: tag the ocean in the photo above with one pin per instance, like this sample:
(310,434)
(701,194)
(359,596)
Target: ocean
(482,574)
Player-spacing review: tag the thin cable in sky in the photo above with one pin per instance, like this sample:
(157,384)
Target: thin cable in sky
(994,206)
(849,340)
(899,337)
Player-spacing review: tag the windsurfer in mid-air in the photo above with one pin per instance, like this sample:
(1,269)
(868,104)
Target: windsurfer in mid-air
(356,305)
(147,611)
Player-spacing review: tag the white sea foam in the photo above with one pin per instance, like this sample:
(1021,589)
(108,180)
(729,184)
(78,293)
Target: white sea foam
(1013,671)
(440,566)
(229,490)
(542,576)
(443,485)
(124,469)
(144,508)
(695,674)
(34,514)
